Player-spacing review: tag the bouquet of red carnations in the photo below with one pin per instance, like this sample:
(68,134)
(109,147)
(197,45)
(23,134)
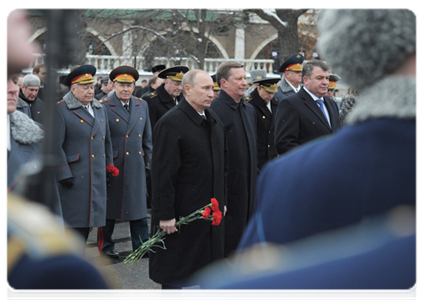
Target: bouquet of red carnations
(209,212)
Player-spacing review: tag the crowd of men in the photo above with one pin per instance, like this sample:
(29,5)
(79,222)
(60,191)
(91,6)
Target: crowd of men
(186,137)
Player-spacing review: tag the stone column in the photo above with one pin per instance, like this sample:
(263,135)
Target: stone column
(127,51)
(240,43)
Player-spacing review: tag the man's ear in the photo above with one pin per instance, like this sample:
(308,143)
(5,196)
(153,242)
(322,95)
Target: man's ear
(222,82)
(187,89)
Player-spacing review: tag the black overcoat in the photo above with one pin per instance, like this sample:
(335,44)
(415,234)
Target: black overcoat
(239,120)
(188,169)
(266,149)
(159,103)
(132,150)
(298,120)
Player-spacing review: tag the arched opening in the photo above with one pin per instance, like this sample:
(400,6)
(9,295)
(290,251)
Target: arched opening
(177,49)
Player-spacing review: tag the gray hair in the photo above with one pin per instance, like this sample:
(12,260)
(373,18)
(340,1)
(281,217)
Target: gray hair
(190,78)
(31,80)
(309,66)
(363,45)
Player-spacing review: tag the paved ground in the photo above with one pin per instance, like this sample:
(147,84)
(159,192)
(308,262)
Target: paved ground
(131,281)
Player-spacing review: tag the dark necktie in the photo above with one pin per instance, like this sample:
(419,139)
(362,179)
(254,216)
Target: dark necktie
(126,107)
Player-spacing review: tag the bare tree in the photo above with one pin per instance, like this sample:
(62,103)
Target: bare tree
(170,33)
(286,23)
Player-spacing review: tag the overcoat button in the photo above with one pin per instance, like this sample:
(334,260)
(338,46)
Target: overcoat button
(264,117)
(139,135)
(140,152)
(92,155)
(127,153)
(117,120)
(82,121)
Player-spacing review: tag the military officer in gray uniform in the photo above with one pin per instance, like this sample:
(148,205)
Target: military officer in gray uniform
(85,152)
(130,130)
(292,77)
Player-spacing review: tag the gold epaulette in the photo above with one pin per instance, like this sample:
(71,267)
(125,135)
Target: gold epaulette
(153,94)
(61,101)
(248,98)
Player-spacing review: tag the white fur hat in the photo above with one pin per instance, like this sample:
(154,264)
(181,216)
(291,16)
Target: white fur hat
(363,45)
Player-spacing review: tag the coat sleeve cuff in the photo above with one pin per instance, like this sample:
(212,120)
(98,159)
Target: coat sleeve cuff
(164,215)
(63,172)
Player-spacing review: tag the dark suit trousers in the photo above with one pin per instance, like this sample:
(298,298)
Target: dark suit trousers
(138,229)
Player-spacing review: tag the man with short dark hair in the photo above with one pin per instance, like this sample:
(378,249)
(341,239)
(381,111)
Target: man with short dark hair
(188,170)
(29,94)
(132,149)
(167,95)
(367,168)
(239,119)
(308,114)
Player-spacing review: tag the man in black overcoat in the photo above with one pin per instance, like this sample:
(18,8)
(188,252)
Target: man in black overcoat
(262,98)
(239,119)
(188,169)
(300,118)
(167,95)
(29,94)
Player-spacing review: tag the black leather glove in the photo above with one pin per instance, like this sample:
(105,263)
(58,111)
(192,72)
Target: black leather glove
(67,182)
(108,176)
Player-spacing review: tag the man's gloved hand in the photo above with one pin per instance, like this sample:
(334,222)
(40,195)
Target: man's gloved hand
(67,182)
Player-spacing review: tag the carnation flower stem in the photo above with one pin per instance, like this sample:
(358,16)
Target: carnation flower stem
(159,236)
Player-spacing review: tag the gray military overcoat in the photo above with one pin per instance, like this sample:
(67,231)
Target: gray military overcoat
(85,152)
(132,150)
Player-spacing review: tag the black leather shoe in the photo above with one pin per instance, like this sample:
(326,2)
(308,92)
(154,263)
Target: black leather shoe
(112,253)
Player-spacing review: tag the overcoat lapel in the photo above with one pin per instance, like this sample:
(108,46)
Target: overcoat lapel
(165,98)
(333,115)
(312,105)
(263,108)
(84,115)
(97,121)
(135,114)
(117,108)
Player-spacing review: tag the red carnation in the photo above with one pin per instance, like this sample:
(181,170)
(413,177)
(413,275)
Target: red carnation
(217,217)
(215,204)
(113,170)
(206,213)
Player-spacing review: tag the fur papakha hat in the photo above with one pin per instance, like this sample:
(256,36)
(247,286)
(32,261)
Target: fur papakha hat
(363,45)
